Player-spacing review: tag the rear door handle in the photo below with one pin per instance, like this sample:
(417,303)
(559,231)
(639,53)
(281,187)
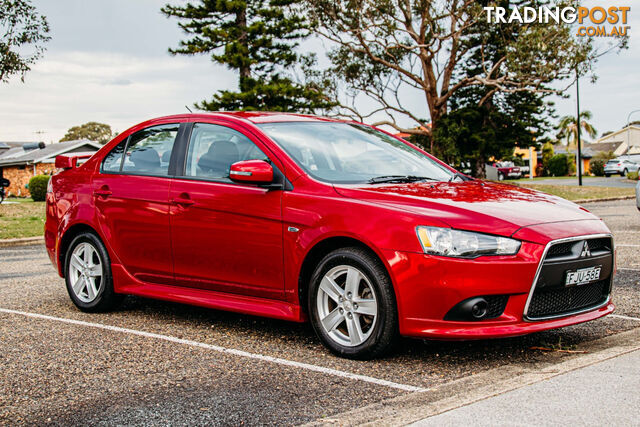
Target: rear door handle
(183,201)
(102,192)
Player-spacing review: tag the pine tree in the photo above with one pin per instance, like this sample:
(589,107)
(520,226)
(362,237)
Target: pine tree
(257,38)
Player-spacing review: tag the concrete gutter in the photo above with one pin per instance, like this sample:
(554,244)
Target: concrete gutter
(25,241)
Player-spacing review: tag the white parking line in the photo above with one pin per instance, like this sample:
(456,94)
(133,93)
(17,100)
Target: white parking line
(620,316)
(277,360)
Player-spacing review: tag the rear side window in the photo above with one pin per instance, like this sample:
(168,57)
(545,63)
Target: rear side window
(214,148)
(149,150)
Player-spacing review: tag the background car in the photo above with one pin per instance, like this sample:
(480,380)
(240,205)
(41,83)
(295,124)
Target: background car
(638,194)
(620,166)
(508,170)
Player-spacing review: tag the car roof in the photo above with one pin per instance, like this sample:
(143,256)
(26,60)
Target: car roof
(257,117)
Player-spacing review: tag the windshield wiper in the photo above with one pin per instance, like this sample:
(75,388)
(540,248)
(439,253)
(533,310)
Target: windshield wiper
(399,178)
(460,177)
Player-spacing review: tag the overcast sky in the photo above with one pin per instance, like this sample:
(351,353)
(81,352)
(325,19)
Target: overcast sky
(107,61)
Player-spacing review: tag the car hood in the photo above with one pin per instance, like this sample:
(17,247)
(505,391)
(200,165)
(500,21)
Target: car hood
(473,205)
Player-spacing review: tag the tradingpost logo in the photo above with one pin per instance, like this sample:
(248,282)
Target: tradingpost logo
(594,21)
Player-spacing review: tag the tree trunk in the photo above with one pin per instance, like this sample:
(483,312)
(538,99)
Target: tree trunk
(480,166)
(241,22)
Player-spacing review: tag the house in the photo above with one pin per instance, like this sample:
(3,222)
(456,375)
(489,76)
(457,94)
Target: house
(21,161)
(625,141)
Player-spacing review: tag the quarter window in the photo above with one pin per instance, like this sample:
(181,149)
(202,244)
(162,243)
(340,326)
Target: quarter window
(113,161)
(213,149)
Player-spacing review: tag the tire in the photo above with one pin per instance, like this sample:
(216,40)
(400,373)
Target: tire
(500,177)
(607,175)
(88,267)
(624,173)
(348,331)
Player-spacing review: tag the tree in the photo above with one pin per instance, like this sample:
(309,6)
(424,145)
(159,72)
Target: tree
(93,131)
(256,38)
(393,51)
(569,129)
(23,32)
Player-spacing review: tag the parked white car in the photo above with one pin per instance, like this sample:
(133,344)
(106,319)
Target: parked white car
(638,194)
(620,166)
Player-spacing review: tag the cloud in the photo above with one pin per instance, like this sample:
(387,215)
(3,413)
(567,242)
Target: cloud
(70,88)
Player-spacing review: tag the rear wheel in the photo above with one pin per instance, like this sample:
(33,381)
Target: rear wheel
(88,275)
(624,173)
(500,177)
(352,305)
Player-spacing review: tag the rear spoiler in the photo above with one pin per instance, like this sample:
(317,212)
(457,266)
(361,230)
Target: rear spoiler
(70,161)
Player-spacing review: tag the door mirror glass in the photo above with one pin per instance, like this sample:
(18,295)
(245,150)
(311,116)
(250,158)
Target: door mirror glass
(251,171)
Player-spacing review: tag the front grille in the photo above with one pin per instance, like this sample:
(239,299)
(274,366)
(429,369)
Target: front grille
(551,298)
(555,301)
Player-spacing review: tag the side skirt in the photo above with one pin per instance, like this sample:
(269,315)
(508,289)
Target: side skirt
(124,283)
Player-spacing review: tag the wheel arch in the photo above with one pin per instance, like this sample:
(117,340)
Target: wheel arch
(319,250)
(67,238)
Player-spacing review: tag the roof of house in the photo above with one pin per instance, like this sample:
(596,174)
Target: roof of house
(586,153)
(616,133)
(603,146)
(18,156)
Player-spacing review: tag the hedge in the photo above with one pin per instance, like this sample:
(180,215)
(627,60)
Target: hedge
(38,187)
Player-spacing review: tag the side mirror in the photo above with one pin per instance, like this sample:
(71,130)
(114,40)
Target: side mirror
(251,172)
(69,161)
(66,162)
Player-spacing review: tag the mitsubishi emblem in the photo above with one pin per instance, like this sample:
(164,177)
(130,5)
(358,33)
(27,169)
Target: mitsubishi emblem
(585,250)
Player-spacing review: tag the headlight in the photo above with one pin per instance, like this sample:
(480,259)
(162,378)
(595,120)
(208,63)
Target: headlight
(464,244)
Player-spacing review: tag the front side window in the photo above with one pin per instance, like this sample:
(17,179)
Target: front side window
(214,148)
(149,150)
(351,153)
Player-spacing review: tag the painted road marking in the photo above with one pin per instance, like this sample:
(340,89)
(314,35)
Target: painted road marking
(276,360)
(620,316)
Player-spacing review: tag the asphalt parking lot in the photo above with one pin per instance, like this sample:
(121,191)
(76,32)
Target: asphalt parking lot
(613,181)
(156,363)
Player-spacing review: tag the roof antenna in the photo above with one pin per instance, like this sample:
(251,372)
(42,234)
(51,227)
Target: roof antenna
(188,109)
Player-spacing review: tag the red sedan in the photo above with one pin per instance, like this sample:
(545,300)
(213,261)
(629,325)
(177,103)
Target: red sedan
(304,218)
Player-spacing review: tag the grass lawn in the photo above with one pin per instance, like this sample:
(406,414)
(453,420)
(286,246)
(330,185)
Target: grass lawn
(23,219)
(573,192)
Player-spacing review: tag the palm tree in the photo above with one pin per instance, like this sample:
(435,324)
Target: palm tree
(569,130)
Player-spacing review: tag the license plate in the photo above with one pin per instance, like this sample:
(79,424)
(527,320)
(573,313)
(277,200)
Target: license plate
(583,276)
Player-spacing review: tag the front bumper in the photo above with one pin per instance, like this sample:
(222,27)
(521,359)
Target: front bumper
(428,287)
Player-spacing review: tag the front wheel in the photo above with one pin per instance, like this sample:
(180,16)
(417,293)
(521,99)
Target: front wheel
(500,177)
(88,275)
(352,306)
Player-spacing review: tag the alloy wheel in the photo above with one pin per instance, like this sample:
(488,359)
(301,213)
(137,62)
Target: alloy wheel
(347,305)
(85,270)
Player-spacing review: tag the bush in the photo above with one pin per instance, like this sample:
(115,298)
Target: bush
(38,187)
(632,176)
(558,165)
(596,166)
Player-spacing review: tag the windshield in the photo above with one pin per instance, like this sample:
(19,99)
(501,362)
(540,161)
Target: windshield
(351,153)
